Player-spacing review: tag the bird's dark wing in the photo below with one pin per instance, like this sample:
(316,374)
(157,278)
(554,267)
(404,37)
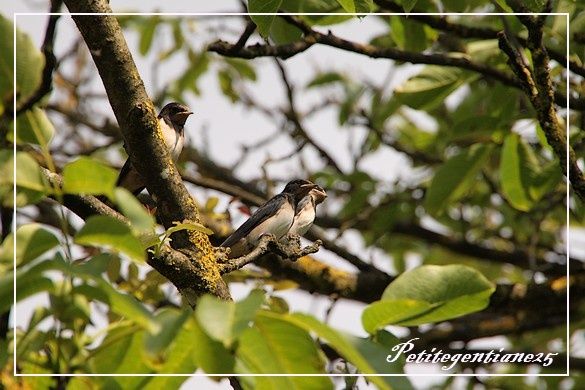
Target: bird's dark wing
(130,179)
(264,212)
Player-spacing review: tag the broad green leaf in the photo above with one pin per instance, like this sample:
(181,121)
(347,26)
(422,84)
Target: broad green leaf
(376,351)
(29,63)
(188,226)
(29,281)
(379,314)
(120,352)
(276,346)
(139,218)
(88,176)
(106,231)
(451,291)
(34,127)
(170,322)
(224,320)
(282,32)
(348,5)
(455,177)
(431,86)
(209,354)
(336,340)
(32,240)
(31,184)
(242,67)
(263,22)
(179,360)
(407,5)
(545,181)
(364,6)
(99,289)
(147,32)
(518,169)
(326,79)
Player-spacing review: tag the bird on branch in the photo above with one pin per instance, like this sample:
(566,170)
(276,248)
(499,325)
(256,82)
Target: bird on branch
(293,207)
(172,120)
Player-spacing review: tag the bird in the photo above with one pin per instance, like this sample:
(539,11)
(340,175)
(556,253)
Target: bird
(276,217)
(172,120)
(306,209)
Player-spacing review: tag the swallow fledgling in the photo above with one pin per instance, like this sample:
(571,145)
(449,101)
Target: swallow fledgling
(306,209)
(172,120)
(274,217)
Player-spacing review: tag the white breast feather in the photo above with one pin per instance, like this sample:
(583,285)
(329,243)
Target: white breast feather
(277,225)
(303,220)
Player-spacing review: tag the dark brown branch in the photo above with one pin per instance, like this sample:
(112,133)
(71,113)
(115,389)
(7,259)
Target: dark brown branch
(538,87)
(287,249)
(137,118)
(294,116)
(50,61)
(250,27)
(311,37)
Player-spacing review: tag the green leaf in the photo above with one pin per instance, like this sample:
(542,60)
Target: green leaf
(34,127)
(380,313)
(364,6)
(170,322)
(106,231)
(224,320)
(88,176)
(276,346)
(282,32)
(31,184)
(242,67)
(455,177)
(347,5)
(327,78)
(337,341)
(139,218)
(449,291)
(192,226)
(147,32)
(179,358)
(29,64)
(263,22)
(209,354)
(32,240)
(407,5)
(431,86)
(517,169)
(120,352)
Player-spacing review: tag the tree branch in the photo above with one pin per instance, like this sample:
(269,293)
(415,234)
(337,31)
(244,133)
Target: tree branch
(50,61)
(137,119)
(463,31)
(289,249)
(311,37)
(538,87)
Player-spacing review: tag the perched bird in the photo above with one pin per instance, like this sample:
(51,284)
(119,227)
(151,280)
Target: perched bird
(172,120)
(274,217)
(306,209)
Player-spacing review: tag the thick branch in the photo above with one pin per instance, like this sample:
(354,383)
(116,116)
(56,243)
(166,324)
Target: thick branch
(174,265)
(137,119)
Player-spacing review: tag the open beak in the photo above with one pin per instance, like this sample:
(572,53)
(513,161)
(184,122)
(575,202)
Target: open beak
(318,194)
